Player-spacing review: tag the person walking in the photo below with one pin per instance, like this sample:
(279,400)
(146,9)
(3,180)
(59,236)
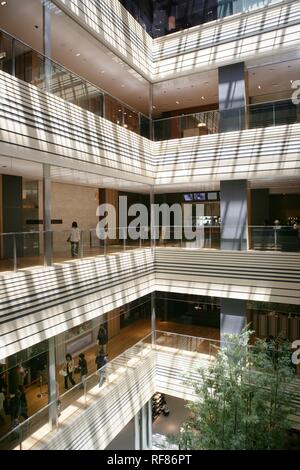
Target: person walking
(102,339)
(101,361)
(74,239)
(82,366)
(69,368)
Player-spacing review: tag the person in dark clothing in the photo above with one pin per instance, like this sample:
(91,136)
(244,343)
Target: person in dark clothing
(14,408)
(102,338)
(101,361)
(23,403)
(82,366)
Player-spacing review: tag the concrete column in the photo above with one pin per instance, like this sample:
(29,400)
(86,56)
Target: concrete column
(47,214)
(47,44)
(233,317)
(149,424)
(151,111)
(232,97)
(137,431)
(52,389)
(153,243)
(259,234)
(143,428)
(234,214)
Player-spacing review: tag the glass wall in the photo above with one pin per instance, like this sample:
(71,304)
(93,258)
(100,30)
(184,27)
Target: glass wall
(167,16)
(30,66)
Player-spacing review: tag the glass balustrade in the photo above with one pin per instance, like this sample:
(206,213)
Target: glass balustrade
(162,18)
(20,60)
(28,65)
(26,249)
(39,428)
(258,115)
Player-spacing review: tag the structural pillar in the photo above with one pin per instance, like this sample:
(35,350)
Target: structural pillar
(153,243)
(47,44)
(47,214)
(233,317)
(232,97)
(234,214)
(143,428)
(52,388)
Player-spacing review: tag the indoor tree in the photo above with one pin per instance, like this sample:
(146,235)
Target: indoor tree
(243,399)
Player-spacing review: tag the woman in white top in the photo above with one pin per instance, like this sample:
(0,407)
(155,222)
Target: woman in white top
(74,239)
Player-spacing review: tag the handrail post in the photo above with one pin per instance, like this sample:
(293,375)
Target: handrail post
(15,252)
(84,391)
(81,244)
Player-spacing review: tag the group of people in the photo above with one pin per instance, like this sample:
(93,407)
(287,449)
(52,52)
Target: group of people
(82,368)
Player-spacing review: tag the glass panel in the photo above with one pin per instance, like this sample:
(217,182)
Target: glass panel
(131,120)
(29,65)
(161,17)
(6,64)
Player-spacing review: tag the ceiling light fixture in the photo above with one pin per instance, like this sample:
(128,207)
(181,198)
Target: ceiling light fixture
(3,4)
(259,87)
(203,97)
(78,54)
(177,102)
(122,85)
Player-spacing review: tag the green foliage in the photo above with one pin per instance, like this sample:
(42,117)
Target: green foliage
(243,399)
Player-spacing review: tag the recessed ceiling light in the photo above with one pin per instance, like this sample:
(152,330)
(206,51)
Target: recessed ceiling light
(78,54)
(291,81)
(3,4)
(177,102)
(122,85)
(259,87)
(102,71)
(120,110)
(154,107)
(203,97)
